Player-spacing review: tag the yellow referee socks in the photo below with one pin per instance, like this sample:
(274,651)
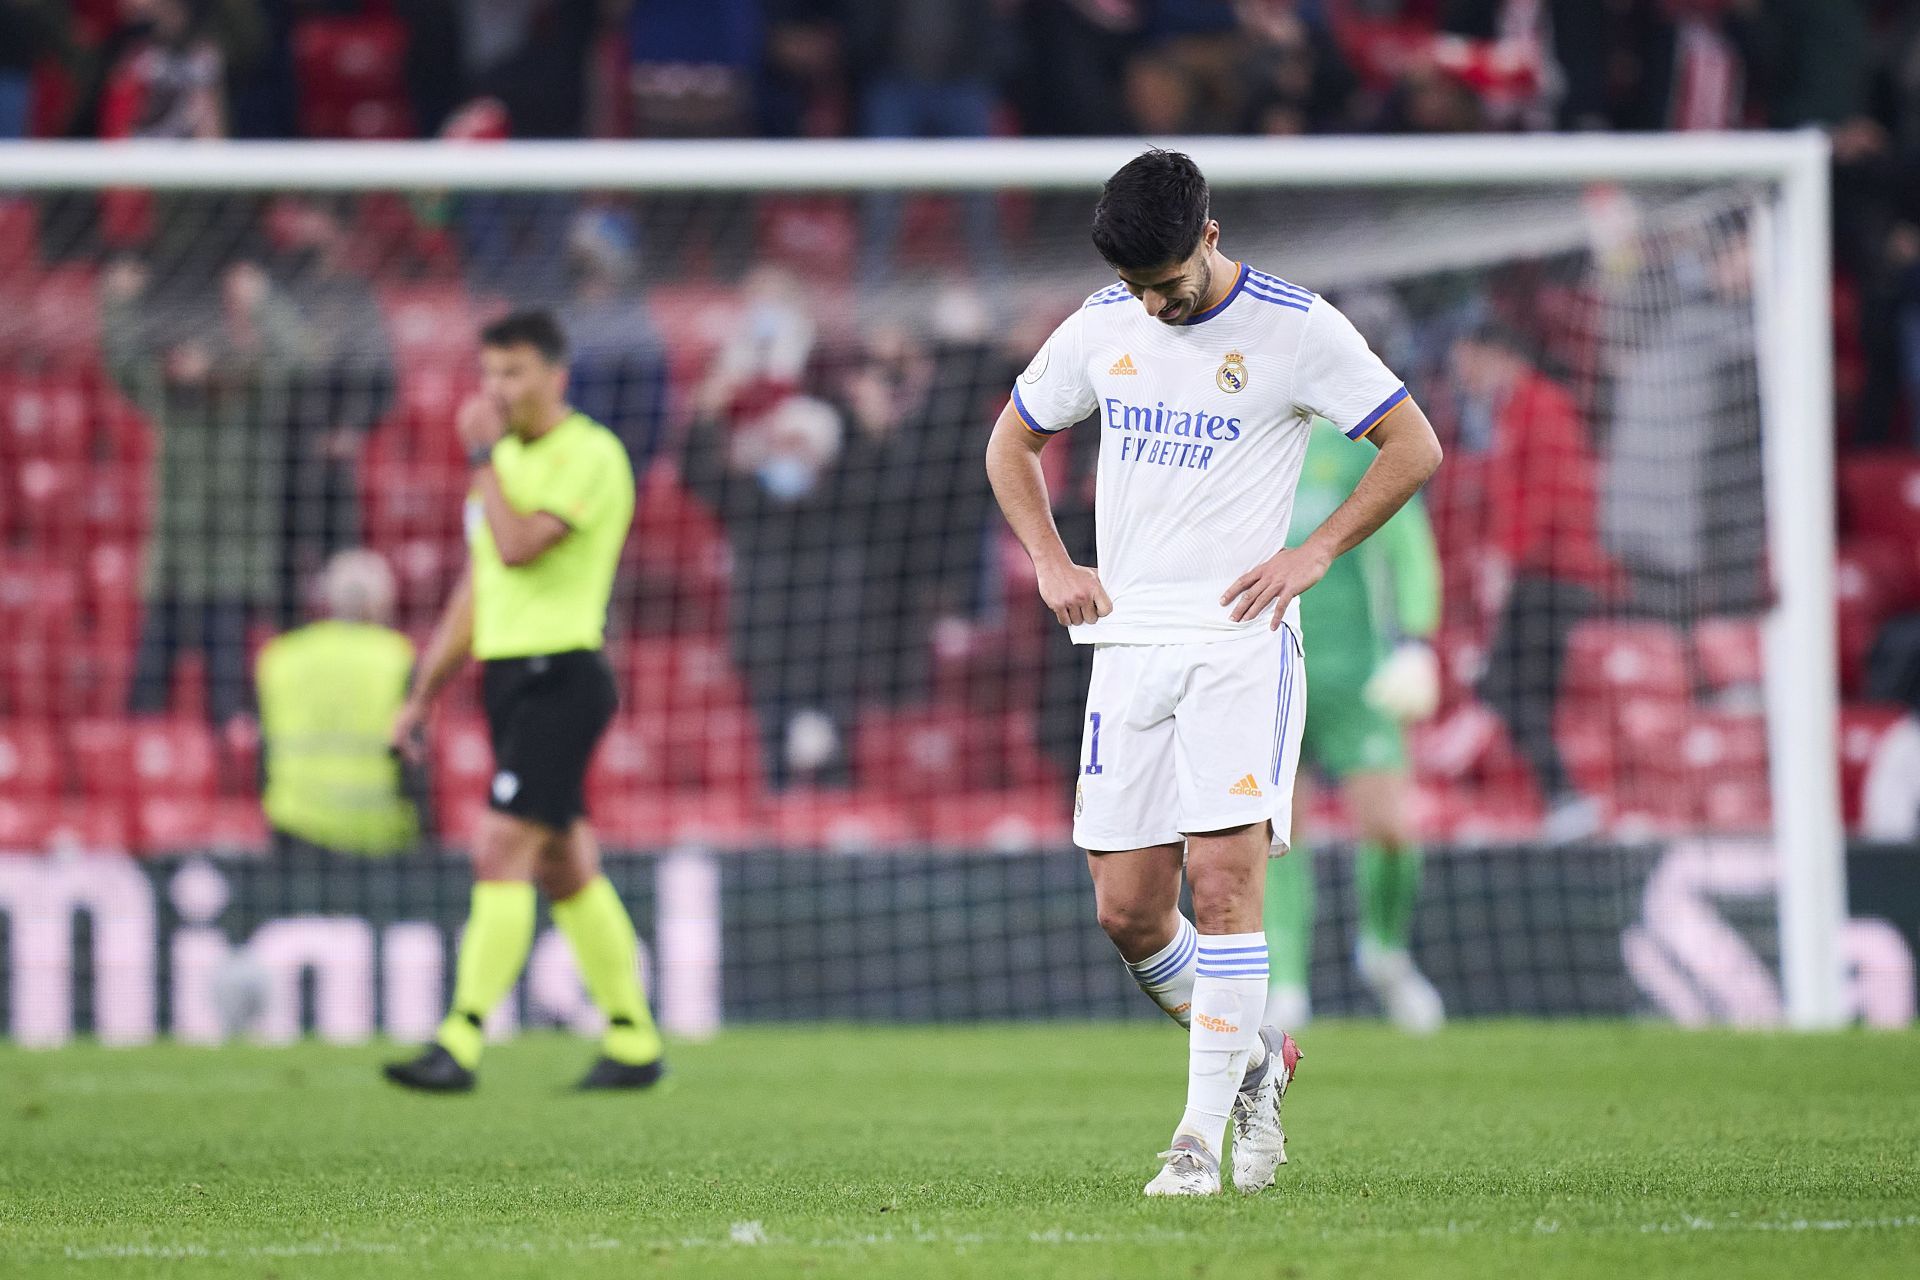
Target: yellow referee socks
(598,928)
(492,952)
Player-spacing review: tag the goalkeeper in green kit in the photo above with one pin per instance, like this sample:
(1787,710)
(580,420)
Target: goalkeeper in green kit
(1369,671)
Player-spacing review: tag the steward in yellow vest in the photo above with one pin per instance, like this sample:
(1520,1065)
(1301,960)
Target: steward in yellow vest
(329,692)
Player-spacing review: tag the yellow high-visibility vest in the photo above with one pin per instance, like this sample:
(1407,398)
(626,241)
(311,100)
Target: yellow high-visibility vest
(328,696)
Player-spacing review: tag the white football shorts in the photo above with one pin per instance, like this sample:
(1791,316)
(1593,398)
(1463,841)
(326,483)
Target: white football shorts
(1190,738)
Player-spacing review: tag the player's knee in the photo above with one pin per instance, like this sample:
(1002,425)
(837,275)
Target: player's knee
(1225,896)
(505,850)
(1134,927)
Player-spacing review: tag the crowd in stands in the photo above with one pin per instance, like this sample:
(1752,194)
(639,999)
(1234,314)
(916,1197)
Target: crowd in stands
(822,630)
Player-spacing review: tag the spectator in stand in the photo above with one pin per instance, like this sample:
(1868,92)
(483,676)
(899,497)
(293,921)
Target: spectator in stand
(926,69)
(1519,438)
(344,386)
(166,73)
(1073,57)
(694,66)
(777,484)
(1877,233)
(30,30)
(329,694)
(532,56)
(619,366)
(215,382)
(766,355)
(1692,61)
(1296,80)
(802,89)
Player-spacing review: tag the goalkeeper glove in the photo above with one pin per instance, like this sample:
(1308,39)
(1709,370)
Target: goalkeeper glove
(1407,685)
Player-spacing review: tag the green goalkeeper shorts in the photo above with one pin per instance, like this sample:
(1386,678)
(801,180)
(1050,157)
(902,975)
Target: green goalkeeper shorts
(1343,734)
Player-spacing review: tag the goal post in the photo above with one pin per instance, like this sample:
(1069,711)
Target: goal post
(1781,180)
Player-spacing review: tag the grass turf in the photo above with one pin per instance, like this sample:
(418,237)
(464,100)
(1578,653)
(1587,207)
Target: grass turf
(1493,1150)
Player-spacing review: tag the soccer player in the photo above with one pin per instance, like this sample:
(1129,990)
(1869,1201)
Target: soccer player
(547,512)
(1206,375)
(1363,686)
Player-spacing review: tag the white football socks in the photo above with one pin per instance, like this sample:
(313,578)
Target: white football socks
(1167,975)
(1229,999)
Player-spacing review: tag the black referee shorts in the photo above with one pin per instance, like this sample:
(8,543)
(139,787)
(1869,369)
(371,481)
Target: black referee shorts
(545,715)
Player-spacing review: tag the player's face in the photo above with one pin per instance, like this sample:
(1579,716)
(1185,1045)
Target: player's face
(1175,292)
(522,384)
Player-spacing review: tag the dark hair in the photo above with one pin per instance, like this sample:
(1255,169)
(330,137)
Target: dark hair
(1152,212)
(536,329)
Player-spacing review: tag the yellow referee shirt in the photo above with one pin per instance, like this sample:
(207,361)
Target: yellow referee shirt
(579,473)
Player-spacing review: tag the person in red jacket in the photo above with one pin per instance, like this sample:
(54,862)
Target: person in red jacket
(1541,568)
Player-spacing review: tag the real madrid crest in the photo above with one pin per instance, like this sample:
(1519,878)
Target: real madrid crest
(1232,375)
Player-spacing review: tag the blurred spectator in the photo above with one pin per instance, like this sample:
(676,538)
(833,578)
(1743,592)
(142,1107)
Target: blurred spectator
(619,369)
(343,387)
(694,64)
(1692,60)
(168,66)
(1890,796)
(329,693)
(214,378)
(1072,57)
(531,55)
(925,69)
(30,30)
(1683,451)
(1519,438)
(436,82)
(777,485)
(802,85)
(1161,100)
(1296,80)
(766,354)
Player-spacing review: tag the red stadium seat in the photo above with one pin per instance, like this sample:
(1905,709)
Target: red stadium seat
(1862,725)
(187,824)
(1725,759)
(838,820)
(1727,653)
(30,764)
(462,760)
(432,324)
(39,599)
(1654,779)
(918,753)
(170,756)
(1880,494)
(44,417)
(1611,662)
(63,319)
(93,675)
(112,572)
(24,822)
(631,759)
(347,68)
(116,501)
(46,504)
(1029,818)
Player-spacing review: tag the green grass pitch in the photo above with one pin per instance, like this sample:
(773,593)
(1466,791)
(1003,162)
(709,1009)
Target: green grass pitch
(1507,1149)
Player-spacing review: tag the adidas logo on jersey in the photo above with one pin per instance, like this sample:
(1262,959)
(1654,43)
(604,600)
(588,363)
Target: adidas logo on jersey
(1245,787)
(1123,367)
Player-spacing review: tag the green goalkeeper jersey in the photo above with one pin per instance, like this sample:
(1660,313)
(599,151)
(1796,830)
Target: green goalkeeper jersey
(1385,589)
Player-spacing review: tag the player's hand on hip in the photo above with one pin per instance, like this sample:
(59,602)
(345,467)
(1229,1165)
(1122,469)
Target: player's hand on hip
(1074,593)
(1274,581)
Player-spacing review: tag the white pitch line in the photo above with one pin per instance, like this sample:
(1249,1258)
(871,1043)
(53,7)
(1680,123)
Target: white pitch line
(753,1235)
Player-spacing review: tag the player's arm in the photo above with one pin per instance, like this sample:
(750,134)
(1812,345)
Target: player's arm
(447,652)
(1072,591)
(1409,454)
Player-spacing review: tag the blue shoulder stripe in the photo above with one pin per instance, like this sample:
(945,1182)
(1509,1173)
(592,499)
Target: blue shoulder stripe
(1277,285)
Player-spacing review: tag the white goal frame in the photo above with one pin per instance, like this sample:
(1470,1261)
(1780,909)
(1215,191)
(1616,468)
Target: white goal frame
(1794,326)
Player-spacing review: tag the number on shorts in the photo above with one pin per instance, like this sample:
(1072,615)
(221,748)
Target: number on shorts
(1093,752)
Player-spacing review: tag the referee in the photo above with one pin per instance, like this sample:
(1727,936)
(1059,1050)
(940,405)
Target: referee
(547,513)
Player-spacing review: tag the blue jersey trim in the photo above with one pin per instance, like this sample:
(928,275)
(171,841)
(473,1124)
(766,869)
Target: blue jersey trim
(1239,283)
(1372,420)
(1027,419)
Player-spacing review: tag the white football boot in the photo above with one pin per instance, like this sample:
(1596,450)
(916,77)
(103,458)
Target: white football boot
(1191,1170)
(1259,1143)
(1403,991)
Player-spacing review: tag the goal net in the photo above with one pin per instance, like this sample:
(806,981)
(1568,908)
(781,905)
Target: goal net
(221,369)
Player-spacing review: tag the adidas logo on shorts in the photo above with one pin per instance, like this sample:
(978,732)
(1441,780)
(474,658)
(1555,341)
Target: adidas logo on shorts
(1247,786)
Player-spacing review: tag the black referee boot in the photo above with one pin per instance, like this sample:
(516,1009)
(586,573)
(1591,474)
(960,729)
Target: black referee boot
(434,1071)
(608,1073)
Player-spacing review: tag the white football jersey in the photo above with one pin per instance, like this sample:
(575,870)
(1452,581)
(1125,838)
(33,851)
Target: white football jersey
(1203,430)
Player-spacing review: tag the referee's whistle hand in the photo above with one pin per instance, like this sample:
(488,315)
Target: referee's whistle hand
(1073,592)
(409,736)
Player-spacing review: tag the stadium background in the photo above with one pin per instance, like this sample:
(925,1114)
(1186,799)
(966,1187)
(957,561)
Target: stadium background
(850,707)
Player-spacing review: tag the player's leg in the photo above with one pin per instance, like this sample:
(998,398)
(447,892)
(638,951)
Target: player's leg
(1124,817)
(1387,877)
(1235,769)
(1288,916)
(1137,895)
(493,951)
(589,914)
